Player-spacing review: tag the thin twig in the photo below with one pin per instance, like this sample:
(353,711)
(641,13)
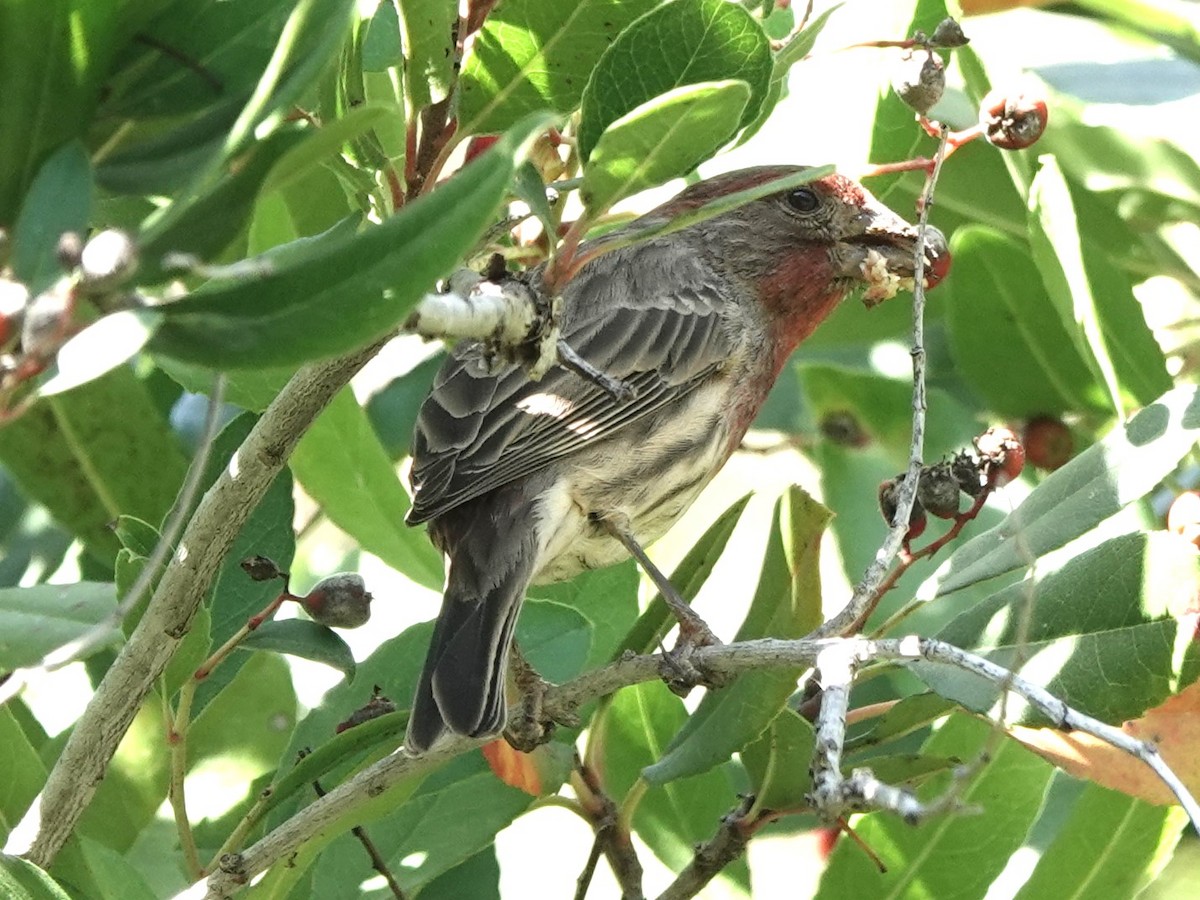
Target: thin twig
(378,863)
(727,845)
(613,836)
(868,589)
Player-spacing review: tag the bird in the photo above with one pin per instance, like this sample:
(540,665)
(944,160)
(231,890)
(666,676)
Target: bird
(526,481)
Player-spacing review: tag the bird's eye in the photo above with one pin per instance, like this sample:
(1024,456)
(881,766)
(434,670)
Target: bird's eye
(803,200)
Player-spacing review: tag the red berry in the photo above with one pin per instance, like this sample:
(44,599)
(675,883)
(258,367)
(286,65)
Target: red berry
(1048,442)
(1002,451)
(478,144)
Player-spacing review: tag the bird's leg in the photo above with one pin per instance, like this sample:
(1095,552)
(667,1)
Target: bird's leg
(693,630)
(527,726)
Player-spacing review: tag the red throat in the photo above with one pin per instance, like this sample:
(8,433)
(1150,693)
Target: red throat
(797,297)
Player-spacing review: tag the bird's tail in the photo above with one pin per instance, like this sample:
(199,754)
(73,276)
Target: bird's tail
(461,690)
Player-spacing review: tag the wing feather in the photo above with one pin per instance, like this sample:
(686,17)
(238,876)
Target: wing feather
(480,429)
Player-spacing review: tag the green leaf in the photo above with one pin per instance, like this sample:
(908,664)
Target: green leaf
(689,576)
(136,535)
(24,772)
(321,144)
(191,653)
(910,714)
(36,620)
(1102,633)
(345,291)
(314,32)
(1106,158)
(555,638)
(112,873)
(59,200)
(1121,468)
(381,44)
(21,880)
(671,818)
(308,640)
(778,763)
(451,817)
(342,465)
(607,598)
(951,857)
(136,467)
(1001,320)
(1111,846)
(231,42)
(99,348)
(53,59)
(477,878)
(667,136)
(251,721)
(428,30)
(787,604)
(393,408)
(680,43)
(1102,316)
(206,219)
(532,55)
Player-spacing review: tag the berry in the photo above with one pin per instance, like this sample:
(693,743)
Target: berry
(889,496)
(842,427)
(339,601)
(1013,121)
(1002,452)
(920,82)
(948,34)
(69,250)
(47,323)
(108,259)
(1048,442)
(14,297)
(938,491)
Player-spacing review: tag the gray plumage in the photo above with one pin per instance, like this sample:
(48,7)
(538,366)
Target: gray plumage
(513,475)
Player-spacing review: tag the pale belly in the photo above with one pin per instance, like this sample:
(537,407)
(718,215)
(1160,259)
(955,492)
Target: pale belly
(648,480)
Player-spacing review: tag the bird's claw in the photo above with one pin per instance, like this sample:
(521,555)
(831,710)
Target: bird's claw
(679,670)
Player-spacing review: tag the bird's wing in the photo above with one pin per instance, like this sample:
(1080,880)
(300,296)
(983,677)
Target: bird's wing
(478,430)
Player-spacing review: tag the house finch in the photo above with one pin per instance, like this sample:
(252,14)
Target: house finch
(532,482)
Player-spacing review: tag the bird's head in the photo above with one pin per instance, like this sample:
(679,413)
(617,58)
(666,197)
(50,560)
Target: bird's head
(801,250)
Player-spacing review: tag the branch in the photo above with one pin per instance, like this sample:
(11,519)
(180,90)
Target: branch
(102,632)
(207,539)
(728,844)
(726,659)
(870,589)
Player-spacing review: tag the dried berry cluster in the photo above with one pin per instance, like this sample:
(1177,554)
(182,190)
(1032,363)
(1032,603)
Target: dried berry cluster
(1011,118)
(997,459)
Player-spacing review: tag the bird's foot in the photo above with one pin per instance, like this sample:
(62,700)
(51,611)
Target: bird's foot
(528,724)
(679,668)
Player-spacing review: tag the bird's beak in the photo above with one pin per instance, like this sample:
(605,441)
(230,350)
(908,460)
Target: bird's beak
(879,249)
